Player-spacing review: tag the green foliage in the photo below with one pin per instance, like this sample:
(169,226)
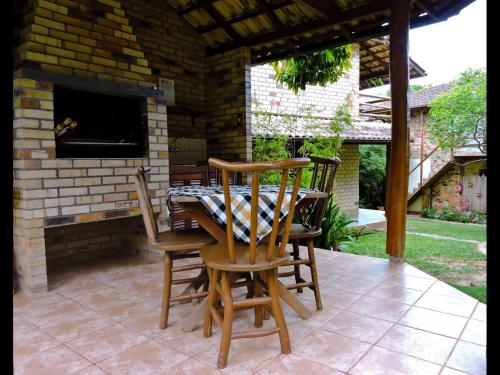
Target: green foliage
(272,141)
(336,234)
(450,213)
(316,68)
(458,116)
(372,162)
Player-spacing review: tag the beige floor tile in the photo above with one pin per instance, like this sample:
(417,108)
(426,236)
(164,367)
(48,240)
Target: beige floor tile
(446,304)
(475,332)
(434,321)
(353,284)
(380,361)
(245,355)
(75,326)
(192,366)
(330,349)
(379,308)
(58,360)
(469,358)
(444,289)
(335,297)
(450,371)
(124,309)
(29,340)
(359,327)
(421,344)
(56,312)
(413,271)
(79,287)
(146,358)
(294,365)
(92,370)
(144,322)
(106,342)
(404,280)
(103,298)
(396,293)
(23,302)
(480,312)
(190,343)
(368,274)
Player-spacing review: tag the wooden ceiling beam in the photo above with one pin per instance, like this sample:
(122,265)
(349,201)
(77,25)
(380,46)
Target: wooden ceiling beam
(242,17)
(372,8)
(207,6)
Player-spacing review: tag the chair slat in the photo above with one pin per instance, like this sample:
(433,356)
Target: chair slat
(229,215)
(274,232)
(288,223)
(253,217)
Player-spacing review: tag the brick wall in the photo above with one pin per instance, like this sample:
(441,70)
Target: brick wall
(228,105)
(271,96)
(346,185)
(127,43)
(50,192)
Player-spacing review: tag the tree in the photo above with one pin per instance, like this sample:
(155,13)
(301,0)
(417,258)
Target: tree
(371,175)
(458,116)
(316,68)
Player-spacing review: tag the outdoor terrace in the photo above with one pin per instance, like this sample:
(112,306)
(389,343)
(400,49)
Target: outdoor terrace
(379,317)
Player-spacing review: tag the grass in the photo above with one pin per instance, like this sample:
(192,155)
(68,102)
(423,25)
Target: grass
(456,263)
(447,229)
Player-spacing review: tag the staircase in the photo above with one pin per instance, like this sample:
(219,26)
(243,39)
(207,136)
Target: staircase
(413,195)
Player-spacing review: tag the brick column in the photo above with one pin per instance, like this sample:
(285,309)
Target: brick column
(228,103)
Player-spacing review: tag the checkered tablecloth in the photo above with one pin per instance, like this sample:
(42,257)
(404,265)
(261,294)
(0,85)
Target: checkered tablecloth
(212,197)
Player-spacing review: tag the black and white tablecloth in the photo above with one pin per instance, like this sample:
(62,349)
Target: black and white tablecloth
(212,198)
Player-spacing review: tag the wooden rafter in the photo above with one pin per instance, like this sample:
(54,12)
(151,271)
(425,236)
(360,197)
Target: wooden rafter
(290,32)
(247,15)
(219,20)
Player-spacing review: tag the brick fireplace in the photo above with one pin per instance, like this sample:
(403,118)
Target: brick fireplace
(73,205)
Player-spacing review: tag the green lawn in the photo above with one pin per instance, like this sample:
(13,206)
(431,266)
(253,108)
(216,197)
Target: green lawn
(454,262)
(447,229)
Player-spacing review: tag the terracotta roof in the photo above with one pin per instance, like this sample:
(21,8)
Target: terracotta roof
(362,131)
(422,98)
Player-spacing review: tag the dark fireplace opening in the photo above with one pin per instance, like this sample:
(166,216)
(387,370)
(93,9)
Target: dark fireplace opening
(94,125)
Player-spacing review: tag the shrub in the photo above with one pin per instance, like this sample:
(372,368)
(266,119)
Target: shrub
(450,213)
(371,176)
(336,233)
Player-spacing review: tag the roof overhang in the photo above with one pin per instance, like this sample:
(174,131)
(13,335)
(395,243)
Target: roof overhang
(282,28)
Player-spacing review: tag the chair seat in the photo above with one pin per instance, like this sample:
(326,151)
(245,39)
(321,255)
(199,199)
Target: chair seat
(298,231)
(217,256)
(193,239)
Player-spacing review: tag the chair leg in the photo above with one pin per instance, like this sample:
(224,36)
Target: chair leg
(167,287)
(259,309)
(314,274)
(296,267)
(211,300)
(251,286)
(227,325)
(272,285)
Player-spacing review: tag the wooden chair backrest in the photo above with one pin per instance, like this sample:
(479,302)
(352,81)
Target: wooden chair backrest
(185,175)
(324,171)
(284,166)
(148,214)
(214,177)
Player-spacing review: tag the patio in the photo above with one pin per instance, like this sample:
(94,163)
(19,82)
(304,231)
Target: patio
(101,317)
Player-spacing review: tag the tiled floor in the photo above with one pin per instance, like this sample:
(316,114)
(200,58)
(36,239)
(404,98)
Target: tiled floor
(378,318)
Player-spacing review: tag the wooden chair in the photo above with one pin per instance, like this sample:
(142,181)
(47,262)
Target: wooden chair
(322,179)
(261,259)
(176,245)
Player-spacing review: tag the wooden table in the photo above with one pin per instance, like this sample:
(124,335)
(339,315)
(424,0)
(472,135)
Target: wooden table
(195,209)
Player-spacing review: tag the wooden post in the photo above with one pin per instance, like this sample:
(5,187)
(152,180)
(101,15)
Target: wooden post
(422,135)
(399,159)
